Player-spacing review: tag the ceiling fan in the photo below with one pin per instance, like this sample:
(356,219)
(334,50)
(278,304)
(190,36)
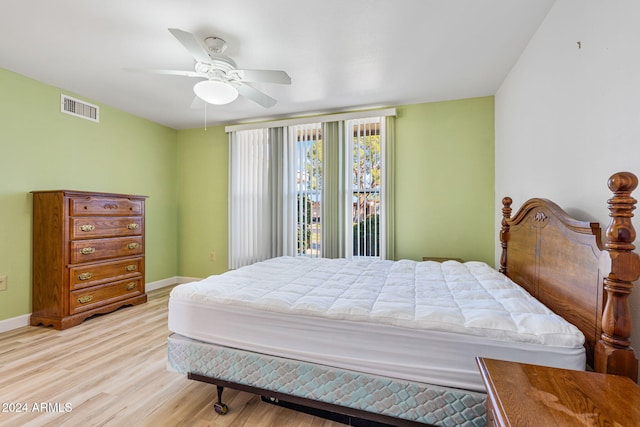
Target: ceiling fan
(223,80)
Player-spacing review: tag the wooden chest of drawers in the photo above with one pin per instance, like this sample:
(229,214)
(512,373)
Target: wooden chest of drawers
(88,255)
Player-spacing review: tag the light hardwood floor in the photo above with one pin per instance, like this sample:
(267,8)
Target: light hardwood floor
(111,371)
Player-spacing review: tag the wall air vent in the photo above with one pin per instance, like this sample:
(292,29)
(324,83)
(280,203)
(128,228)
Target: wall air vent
(79,108)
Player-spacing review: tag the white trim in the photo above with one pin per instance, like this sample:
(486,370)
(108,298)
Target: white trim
(23,320)
(152,286)
(14,323)
(184,279)
(313,119)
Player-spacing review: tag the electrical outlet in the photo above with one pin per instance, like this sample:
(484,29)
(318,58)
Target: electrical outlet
(3,283)
(212,256)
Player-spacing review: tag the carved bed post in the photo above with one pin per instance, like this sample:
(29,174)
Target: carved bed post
(504,233)
(613,352)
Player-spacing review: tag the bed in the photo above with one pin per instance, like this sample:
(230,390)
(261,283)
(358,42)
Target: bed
(395,342)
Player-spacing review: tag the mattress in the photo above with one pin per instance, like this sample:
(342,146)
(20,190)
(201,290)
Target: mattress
(418,321)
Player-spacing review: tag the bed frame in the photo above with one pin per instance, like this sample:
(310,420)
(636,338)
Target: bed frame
(563,263)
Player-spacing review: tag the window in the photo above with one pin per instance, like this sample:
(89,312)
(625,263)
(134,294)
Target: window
(366,186)
(311,189)
(362,207)
(308,189)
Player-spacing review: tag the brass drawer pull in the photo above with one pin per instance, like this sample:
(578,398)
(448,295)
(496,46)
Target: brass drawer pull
(131,267)
(132,245)
(132,226)
(85,276)
(85,299)
(87,227)
(131,286)
(87,251)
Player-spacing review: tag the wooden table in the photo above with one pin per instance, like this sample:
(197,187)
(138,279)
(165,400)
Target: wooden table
(528,395)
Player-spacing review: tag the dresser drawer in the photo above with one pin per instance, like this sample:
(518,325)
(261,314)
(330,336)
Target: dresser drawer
(92,250)
(96,205)
(95,274)
(93,227)
(97,296)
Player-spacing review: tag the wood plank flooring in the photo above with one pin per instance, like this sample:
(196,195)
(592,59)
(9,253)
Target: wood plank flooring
(111,371)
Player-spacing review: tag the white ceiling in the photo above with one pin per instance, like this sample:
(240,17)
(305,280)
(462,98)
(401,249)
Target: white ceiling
(340,54)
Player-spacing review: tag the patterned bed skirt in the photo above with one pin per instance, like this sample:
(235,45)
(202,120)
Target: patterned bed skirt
(425,403)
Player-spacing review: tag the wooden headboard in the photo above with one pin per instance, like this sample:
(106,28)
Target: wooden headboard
(564,264)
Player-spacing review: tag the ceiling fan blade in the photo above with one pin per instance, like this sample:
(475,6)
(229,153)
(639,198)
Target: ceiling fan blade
(255,95)
(266,76)
(192,45)
(167,72)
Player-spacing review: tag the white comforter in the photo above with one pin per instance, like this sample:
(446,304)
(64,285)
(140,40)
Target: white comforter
(467,298)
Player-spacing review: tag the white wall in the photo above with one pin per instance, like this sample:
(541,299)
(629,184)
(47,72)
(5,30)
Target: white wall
(568,113)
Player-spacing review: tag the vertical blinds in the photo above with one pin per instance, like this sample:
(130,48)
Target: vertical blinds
(309,189)
(366,184)
(249,197)
(309,183)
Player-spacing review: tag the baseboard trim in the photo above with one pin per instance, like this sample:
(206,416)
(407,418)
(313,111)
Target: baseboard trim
(175,280)
(186,279)
(23,320)
(14,323)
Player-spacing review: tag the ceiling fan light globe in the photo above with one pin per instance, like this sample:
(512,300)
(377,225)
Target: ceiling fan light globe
(215,92)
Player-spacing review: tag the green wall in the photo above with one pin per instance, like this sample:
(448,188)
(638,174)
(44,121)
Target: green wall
(42,148)
(445,180)
(203,182)
(444,186)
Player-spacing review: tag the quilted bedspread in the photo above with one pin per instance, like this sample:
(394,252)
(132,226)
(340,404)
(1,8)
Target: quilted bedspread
(467,298)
